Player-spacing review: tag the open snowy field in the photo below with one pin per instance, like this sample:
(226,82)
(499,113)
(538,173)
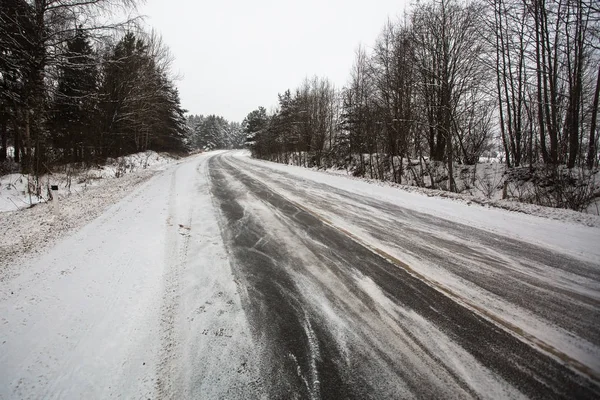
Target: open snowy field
(227,277)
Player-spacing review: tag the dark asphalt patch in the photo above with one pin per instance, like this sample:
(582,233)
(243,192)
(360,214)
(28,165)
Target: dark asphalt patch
(470,259)
(278,312)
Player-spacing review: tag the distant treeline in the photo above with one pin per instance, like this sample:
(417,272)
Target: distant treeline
(448,82)
(77,88)
(214,132)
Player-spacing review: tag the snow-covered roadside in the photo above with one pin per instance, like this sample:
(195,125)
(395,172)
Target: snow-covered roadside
(559,214)
(14,194)
(73,319)
(590,218)
(484,184)
(563,234)
(140,303)
(28,232)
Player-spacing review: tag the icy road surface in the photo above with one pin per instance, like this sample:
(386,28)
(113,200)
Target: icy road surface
(226,277)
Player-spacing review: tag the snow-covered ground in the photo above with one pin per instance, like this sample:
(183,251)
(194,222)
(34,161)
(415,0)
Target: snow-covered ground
(73,181)
(95,316)
(135,288)
(30,230)
(589,218)
(483,183)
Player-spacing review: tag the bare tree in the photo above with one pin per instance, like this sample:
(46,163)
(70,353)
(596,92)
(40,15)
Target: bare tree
(447,36)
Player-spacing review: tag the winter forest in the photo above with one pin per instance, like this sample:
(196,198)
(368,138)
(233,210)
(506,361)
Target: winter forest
(78,87)
(445,90)
(449,85)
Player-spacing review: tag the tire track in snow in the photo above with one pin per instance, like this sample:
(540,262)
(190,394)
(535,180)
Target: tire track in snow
(206,348)
(169,384)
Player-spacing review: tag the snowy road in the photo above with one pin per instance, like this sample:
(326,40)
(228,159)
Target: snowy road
(226,277)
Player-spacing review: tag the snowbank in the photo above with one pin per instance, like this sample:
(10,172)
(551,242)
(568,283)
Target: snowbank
(490,183)
(559,214)
(14,193)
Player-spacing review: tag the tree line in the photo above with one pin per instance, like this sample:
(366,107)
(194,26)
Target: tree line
(214,132)
(75,87)
(449,81)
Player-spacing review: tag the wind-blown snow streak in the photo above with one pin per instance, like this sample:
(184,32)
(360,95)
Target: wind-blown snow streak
(379,329)
(546,292)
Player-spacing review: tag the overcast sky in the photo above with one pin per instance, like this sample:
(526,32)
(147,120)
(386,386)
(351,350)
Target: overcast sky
(236,55)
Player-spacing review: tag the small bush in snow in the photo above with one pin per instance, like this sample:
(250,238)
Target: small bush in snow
(489,184)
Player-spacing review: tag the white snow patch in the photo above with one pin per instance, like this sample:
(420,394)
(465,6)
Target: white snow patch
(139,303)
(17,191)
(26,232)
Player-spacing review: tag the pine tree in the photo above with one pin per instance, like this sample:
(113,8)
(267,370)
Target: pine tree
(140,107)
(121,70)
(254,127)
(75,104)
(211,133)
(17,33)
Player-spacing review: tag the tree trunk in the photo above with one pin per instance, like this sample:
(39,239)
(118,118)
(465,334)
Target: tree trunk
(17,144)
(576,83)
(592,150)
(4,141)
(538,60)
(26,164)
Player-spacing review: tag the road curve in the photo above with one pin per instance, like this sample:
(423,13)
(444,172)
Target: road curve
(333,319)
